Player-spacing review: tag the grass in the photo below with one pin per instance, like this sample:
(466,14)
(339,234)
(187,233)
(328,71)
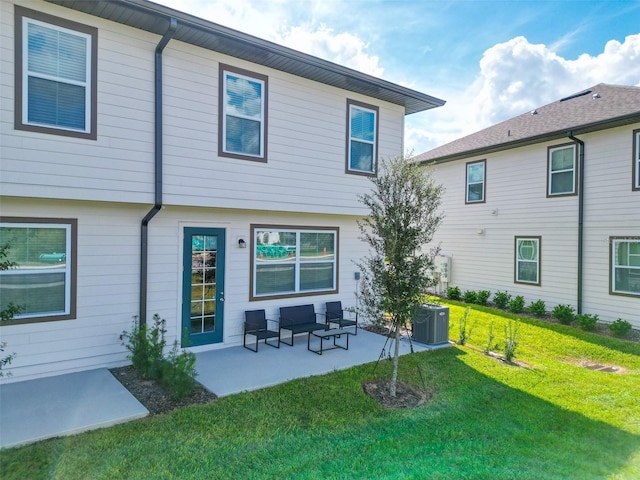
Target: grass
(487,419)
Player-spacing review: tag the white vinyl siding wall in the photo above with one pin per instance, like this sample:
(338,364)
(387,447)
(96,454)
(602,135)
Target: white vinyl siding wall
(517,205)
(306,133)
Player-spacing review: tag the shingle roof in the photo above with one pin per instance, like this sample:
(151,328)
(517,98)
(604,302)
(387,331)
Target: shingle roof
(597,108)
(155,18)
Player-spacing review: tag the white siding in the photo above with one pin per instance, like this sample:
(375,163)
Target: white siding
(306,133)
(109,276)
(517,205)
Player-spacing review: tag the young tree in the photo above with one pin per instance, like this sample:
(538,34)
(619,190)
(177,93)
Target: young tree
(403,217)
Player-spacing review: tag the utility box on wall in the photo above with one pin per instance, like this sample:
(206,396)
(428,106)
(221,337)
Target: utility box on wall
(430,324)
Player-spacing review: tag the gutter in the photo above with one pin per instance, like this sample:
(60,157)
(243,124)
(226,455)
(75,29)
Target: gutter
(144,227)
(580,217)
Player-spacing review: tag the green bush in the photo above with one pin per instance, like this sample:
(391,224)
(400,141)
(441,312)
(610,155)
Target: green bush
(564,313)
(511,339)
(482,297)
(537,308)
(179,372)
(470,296)
(453,293)
(517,304)
(176,372)
(501,299)
(587,322)
(146,346)
(463,332)
(620,327)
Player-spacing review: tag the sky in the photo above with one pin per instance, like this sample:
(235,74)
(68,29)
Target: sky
(489,60)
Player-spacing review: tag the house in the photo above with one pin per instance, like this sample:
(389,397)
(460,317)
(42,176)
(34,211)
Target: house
(547,205)
(157,163)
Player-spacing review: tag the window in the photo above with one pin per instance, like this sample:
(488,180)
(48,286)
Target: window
(636,160)
(55,75)
(625,266)
(42,281)
(475,181)
(527,256)
(561,178)
(362,138)
(242,130)
(289,261)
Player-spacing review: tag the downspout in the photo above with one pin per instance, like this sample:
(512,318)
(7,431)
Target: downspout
(144,227)
(580,217)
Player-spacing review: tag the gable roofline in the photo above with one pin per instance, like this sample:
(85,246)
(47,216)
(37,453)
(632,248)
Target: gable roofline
(614,106)
(154,18)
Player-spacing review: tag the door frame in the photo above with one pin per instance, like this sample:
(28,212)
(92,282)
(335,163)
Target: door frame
(208,338)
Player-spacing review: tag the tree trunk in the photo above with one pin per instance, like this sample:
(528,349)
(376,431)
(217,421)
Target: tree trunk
(394,374)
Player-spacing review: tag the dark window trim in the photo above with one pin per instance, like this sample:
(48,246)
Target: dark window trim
(484,182)
(21,12)
(611,291)
(635,167)
(575,170)
(376,109)
(74,268)
(253,227)
(265,124)
(515,260)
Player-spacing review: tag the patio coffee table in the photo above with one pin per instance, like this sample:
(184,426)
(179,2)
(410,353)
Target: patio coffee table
(327,335)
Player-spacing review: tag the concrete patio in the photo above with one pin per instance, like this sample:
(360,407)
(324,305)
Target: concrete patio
(34,410)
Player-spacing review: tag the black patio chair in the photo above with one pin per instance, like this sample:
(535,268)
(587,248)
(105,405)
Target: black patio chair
(343,318)
(256,324)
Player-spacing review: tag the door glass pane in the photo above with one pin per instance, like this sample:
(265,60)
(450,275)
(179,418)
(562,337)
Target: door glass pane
(203,283)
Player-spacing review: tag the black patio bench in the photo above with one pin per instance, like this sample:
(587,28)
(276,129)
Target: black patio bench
(299,319)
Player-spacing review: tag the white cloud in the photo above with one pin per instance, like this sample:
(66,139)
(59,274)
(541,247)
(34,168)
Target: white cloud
(517,76)
(342,48)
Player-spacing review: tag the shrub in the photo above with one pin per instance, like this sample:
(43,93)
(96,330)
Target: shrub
(620,327)
(490,338)
(453,293)
(564,313)
(501,299)
(462,327)
(517,304)
(482,297)
(587,322)
(537,308)
(179,372)
(470,296)
(6,360)
(146,346)
(511,337)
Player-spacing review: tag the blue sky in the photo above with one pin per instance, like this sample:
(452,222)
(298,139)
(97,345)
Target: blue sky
(490,60)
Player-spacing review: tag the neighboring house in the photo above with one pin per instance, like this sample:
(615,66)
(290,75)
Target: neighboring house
(154,162)
(547,204)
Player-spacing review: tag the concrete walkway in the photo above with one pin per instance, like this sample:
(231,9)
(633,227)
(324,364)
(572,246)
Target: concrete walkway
(34,410)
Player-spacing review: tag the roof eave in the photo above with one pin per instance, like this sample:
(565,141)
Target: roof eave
(578,130)
(155,18)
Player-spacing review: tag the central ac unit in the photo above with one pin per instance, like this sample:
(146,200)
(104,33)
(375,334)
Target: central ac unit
(430,324)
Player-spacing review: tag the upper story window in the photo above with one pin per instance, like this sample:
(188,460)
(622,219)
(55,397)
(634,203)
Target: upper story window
(561,178)
(636,160)
(293,261)
(475,182)
(527,260)
(55,75)
(625,266)
(362,138)
(243,114)
(42,280)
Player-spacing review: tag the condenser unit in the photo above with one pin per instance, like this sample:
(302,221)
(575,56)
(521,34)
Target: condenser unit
(430,324)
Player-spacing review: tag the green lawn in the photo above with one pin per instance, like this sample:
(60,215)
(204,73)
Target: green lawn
(550,419)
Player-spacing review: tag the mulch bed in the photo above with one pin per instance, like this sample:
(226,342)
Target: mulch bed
(407,395)
(155,396)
